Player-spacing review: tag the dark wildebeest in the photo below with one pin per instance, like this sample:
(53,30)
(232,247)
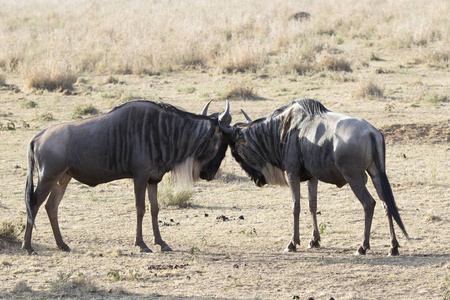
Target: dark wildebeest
(303,141)
(141,140)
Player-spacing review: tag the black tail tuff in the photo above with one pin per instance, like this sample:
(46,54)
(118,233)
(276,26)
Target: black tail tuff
(386,187)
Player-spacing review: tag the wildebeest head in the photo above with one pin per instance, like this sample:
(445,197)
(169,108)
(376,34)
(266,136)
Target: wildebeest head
(243,153)
(222,134)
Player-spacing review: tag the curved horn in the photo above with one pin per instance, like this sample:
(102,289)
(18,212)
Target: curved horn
(246,116)
(205,109)
(224,120)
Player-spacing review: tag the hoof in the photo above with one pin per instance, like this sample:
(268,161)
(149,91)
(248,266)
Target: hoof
(166,249)
(362,250)
(393,252)
(64,248)
(313,244)
(290,248)
(146,250)
(33,253)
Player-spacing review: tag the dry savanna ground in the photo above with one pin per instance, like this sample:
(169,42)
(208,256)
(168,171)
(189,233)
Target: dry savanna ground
(384,61)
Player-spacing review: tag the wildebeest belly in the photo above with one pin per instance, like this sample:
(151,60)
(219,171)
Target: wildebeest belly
(93,177)
(318,161)
(329,174)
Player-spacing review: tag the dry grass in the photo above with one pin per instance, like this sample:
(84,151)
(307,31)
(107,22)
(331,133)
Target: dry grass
(333,63)
(369,89)
(241,90)
(9,232)
(80,111)
(49,77)
(171,194)
(152,39)
(2,80)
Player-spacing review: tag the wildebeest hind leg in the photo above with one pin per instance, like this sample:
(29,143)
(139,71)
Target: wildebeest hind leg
(52,205)
(43,188)
(373,172)
(154,208)
(312,192)
(363,195)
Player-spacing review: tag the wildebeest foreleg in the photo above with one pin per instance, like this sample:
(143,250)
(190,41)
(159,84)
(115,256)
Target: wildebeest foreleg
(368,203)
(51,206)
(294,183)
(152,196)
(139,193)
(312,192)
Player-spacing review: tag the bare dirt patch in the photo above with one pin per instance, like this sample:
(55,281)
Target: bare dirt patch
(436,133)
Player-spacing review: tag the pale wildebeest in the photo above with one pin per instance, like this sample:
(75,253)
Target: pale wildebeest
(141,140)
(303,141)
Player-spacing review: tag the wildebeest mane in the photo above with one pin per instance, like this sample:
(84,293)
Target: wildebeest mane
(164,106)
(311,107)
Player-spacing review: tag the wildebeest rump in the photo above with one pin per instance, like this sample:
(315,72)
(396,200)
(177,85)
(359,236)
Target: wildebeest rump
(142,140)
(303,141)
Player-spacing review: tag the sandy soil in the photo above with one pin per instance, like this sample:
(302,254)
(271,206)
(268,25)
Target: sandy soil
(242,257)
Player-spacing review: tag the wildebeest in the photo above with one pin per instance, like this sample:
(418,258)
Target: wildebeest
(141,140)
(303,141)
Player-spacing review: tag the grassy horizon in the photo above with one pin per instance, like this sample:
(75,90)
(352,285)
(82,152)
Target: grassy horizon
(48,39)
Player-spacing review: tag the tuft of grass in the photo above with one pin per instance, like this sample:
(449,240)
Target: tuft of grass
(28,104)
(332,63)
(46,117)
(369,89)
(172,197)
(112,80)
(129,97)
(181,196)
(432,218)
(2,80)
(10,231)
(435,99)
(49,77)
(21,287)
(67,283)
(113,275)
(84,110)
(241,91)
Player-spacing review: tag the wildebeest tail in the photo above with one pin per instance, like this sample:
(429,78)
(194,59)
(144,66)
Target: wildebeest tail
(388,196)
(30,199)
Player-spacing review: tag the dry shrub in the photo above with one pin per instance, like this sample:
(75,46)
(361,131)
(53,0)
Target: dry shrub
(241,90)
(49,76)
(333,63)
(10,231)
(369,89)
